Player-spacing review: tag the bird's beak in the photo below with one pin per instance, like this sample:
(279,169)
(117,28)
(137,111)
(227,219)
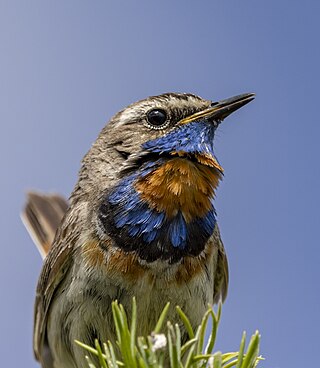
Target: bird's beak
(221,109)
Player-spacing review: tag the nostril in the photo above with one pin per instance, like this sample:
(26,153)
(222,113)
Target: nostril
(214,104)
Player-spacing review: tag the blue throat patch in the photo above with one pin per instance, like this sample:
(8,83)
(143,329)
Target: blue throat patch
(141,221)
(195,137)
(132,220)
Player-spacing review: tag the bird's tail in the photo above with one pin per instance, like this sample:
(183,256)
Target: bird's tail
(41,216)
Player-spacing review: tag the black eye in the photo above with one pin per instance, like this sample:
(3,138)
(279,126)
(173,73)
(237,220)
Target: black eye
(157,118)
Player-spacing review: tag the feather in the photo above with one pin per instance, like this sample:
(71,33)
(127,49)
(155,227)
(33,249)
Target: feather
(41,216)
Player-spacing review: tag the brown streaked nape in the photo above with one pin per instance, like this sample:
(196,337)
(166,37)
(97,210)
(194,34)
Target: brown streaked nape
(41,216)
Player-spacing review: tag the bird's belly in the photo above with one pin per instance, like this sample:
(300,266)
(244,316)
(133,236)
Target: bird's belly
(83,311)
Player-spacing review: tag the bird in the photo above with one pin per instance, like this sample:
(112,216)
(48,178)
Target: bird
(140,222)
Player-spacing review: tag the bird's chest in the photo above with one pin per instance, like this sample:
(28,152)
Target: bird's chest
(164,212)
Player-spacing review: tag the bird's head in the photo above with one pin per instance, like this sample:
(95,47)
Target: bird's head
(157,162)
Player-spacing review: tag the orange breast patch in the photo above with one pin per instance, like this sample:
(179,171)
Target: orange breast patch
(124,265)
(180,185)
(113,260)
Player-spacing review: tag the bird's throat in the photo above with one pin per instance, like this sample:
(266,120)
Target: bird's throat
(165,212)
(180,185)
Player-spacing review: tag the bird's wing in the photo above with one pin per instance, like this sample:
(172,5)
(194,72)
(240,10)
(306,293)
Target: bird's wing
(56,265)
(221,280)
(41,216)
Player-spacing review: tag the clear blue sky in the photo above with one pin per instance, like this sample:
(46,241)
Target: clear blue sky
(67,66)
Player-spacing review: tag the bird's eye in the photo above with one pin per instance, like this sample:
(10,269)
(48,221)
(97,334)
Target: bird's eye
(157,118)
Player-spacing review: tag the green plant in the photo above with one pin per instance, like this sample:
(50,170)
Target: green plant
(162,350)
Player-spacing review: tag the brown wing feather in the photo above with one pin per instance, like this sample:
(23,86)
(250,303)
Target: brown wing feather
(42,215)
(56,265)
(222,272)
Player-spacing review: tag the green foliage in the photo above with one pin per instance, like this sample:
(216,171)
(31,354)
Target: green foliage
(162,350)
